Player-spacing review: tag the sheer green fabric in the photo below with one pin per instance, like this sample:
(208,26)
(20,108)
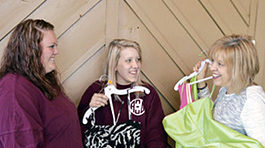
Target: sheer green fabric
(194,89)
(194,126)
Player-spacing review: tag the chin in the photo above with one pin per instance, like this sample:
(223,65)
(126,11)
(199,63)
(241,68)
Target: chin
(133,80)
(50,70)
(217,84)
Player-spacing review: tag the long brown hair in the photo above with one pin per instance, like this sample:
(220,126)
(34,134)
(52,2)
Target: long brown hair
(22,55)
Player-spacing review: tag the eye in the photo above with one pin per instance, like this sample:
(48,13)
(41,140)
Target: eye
(220,64)
(138,59)
(53,46)
(128,60)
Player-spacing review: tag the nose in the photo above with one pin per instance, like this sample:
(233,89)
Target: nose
(213,66)
(56,51)
(135,64)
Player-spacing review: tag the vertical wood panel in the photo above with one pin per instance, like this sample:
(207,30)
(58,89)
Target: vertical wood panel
(243,8)
(195,27)
(77,41)
(230,20)
(160,37)
(112,20)
(260,42)
(63,14)
(12,12)
(87,73)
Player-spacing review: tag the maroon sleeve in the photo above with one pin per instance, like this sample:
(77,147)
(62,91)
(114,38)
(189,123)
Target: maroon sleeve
(29,119)
(21,124)
(84,102)
(155,135)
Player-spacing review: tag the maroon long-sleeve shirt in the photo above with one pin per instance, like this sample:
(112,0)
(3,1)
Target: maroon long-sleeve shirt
(146,109)
(29,119)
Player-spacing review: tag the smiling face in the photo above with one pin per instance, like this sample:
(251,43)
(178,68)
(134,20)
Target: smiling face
(49,50)
(128,67)
(222,73)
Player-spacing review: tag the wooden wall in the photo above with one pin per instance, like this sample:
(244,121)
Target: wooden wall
(172,34)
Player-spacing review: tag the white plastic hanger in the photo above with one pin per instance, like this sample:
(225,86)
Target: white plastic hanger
(182,80)
(109,90)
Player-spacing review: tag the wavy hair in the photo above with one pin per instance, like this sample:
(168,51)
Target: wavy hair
(240,54)
(22,55)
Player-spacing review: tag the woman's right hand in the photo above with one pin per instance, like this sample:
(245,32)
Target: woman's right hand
(202,74)
(98,100)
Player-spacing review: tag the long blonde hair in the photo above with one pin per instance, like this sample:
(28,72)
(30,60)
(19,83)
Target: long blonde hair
(113,57)
(240,54)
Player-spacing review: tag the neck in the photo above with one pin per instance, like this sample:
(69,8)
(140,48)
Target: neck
(229,91)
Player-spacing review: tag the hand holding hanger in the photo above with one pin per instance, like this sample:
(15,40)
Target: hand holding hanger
(109,90)
(185,78)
